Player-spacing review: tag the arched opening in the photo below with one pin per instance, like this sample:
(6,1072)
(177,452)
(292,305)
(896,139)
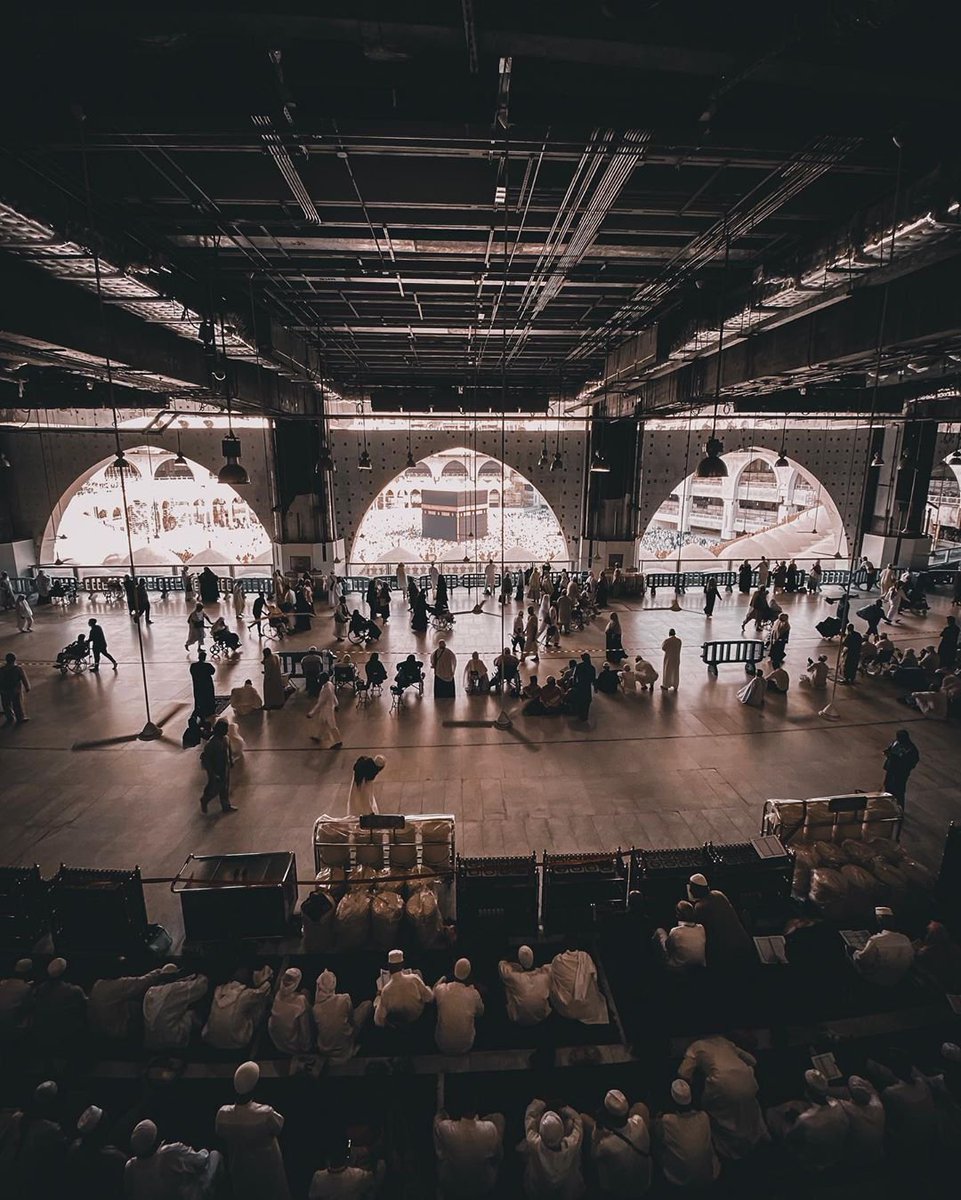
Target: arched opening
(460,514)
(176,511)
(760,508)
(943,518)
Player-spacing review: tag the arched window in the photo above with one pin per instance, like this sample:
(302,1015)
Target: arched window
(454,470)
(171,469)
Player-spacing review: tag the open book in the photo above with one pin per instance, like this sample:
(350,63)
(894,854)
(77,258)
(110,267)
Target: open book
(855,939)
(771,949)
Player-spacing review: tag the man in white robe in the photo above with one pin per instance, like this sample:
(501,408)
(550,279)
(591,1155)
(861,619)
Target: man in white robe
(249,1131)
(887,956)
(620,1147)
(490,578)
(685,1147)
(246,700)
(729,1094)
(685,946)
(814,1131)
(403,996)
(341,1181)
(115,1005)
(459,1004)
(866,1123)
(527,988)
(469,1150)
(291,1023)
(171,1170)
(336,1019)
(552,1151)
(237,1009)
(169,1010)
(671,667)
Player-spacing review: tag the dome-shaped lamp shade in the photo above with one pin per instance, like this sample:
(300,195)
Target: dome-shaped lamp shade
(557,461)
(712,466)
(325,460)
(955,459)
(232,472)
(599,464)
(543,460)
(878,460)
(781,460)
(410,460)
(120,463)
(364,463)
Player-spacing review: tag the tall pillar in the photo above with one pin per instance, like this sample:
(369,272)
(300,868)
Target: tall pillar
(727,518)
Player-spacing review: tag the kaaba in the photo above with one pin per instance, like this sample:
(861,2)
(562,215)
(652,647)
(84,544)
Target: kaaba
(453,515)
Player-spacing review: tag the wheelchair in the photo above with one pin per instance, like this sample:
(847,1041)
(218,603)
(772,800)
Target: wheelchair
(365,692)
(345,675)
(362,639)
(73,658)
(226,643)
(443,622)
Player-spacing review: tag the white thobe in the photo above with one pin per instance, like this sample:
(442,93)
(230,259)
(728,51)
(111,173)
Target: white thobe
(361,798)
(468,1155)
(553,1172)
(865,1144)
(885,959)
(527,992)
(645,673)
(334,1023)
(114,1004)
(253,1155)
(352,1183)
(174,1171)
(672,662)
(817,1137)
(687,1153)
(623,1170)
(290,1025)
(240,600)
(246,700)
(168,1014)
(402,581)
(458,1006)
(730,1093)
(752,694)
(574,990)
(685,946)
(490,576)
(402,999)
(328,733)
(235,1012)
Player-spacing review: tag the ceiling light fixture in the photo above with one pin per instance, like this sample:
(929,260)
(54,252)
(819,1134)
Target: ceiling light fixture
(599,464)
(232,472)
(712,466)
(557,462)
(180,460)
(364,463)
(120,463)
(877,460)
(543,460)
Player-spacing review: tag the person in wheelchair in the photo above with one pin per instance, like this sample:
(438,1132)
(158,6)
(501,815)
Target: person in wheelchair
(224,639)
(361,629)
(508,671)
(76,651)
(410,673)
(375,671)
(277,620)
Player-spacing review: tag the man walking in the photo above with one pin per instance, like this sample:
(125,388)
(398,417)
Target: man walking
(13,685)
(202,678)
(143,602)
(216,760)
(98,644)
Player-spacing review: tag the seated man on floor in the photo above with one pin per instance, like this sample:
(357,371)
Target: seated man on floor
(684,947)
(887,956)
(527,988)
(469,1150)
(402,996)
(729,945)
(814,1130)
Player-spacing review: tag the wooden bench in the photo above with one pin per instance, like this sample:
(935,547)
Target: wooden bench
(748,652)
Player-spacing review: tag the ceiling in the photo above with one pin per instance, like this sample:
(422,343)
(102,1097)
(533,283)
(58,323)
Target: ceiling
(476,195)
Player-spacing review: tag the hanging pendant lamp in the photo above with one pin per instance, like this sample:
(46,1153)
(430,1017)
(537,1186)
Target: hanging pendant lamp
(180,461)
(712,466)
(232,472)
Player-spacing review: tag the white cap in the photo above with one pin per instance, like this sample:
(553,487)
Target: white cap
(681,1092)
(47,1090)
(551,1130)
(462,969)
(89,1119)
(56,967)
(326,983)
(246,1078)
(380,761)
(292,977)
(396,958)
(860,1089)
(525,956)
(698,880)
(883,912)
(143,1139)
(615,1103)
(816,1082)
(23,966)
(169,969)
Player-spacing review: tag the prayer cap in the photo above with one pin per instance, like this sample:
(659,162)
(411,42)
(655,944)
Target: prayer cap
(551,1130)
(246,1078)
(312,650)
(681,1092)
(56,967)
(861,1091)
(396,958)
(89,1119)
(169,969)
(816,1082)
(698,880)
(525,956)
(615,1103)
(46,1091)
(462,969)
(326,983)
(143,1139)
(23,966)
(380,760)
(883,912)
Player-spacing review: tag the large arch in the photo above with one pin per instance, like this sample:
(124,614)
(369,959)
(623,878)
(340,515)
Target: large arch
(170,522)
(462,521)
(768,523)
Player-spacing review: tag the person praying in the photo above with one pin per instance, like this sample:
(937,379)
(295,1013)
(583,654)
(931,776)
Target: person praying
(443,663)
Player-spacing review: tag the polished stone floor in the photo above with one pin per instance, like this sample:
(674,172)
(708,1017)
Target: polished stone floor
(656,770)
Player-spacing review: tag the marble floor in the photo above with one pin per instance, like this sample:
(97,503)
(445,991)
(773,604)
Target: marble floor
(655,769)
